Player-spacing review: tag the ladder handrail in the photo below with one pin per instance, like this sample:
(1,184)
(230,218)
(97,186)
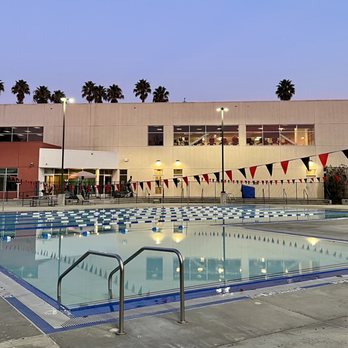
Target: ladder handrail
(305,194)
(181,271)
(121,291)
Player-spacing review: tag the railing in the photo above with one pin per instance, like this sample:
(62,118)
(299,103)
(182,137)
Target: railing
(305,195)
(121,291)
(181,271)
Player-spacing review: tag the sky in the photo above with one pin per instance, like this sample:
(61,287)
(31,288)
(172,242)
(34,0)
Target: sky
(200,50)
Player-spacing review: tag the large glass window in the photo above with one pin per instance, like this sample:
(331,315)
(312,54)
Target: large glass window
(181,135)
(21,134)
(284,134)
(205,135)
(8,179)
(155,135)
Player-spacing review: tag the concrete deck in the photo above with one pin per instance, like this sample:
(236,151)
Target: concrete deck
(314,315)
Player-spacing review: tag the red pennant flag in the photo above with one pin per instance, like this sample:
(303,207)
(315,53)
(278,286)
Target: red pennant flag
(185,178)
(229,174)
(276,182)
(323,158)
(253,171)
(284,165)
(166,182)
(149,184)
(206,178)
(134,186)
(300,180)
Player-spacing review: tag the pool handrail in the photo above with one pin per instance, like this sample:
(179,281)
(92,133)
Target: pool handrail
(181,271)
(121,291)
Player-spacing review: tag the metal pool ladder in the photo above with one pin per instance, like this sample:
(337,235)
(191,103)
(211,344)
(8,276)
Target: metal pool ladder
(121,291)
(181,272)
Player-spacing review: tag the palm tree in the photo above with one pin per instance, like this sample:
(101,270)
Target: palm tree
(21,88)
(99,94)
(113,93)
(160,95)
(56,96)
(2,87)
(285,89)
(42,95)
(142,90)
(88,91)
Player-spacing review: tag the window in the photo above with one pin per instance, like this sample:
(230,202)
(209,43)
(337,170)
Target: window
(181,135)
(254,135)
(21,134)
(197,135)
(155,135)
(289,134)
(205,135)
(8,179)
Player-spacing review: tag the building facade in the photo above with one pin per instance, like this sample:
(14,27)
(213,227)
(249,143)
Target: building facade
(176,148)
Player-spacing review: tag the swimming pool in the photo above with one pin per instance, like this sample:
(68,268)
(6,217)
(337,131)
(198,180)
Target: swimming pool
(219,245)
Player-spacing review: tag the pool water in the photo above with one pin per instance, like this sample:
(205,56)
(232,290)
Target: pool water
(219,246)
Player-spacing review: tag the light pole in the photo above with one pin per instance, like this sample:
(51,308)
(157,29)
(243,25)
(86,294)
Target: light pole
(223,193)
(64,100)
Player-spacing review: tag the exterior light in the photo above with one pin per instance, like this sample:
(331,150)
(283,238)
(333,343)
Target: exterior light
(158,162)
(223,193)
(177,162)
(64,100)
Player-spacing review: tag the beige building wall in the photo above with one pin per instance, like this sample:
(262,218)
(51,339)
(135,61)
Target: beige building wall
(123,129)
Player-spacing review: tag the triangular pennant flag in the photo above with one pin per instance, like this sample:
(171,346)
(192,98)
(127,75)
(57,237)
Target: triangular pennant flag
(197,178)
(318,179)
(270,168)
(157,183)
(134,186)
(166,182)
(253,171)
(217,176)
(229,174)
(176,181)
(305,161)
(284,165)
(185,178)
(293,181)
(206,178)
(300,180)
(345,153)
(141,184)
(305,180)
(323,158)
(149,184)
(242,170)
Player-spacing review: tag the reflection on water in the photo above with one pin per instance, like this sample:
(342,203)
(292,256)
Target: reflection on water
(214,253)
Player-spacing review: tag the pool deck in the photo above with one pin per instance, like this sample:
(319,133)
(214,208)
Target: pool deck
(293,315)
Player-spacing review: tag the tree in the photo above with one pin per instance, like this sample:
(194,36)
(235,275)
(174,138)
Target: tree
(285,89)
(160,95)
(113,93)
(142,90)
(20,89)
(99,94)
(335,179)
(88,91)
(56,96)
(42,95)
(2,87)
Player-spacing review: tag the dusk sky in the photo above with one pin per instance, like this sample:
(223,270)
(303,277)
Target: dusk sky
(201,50)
